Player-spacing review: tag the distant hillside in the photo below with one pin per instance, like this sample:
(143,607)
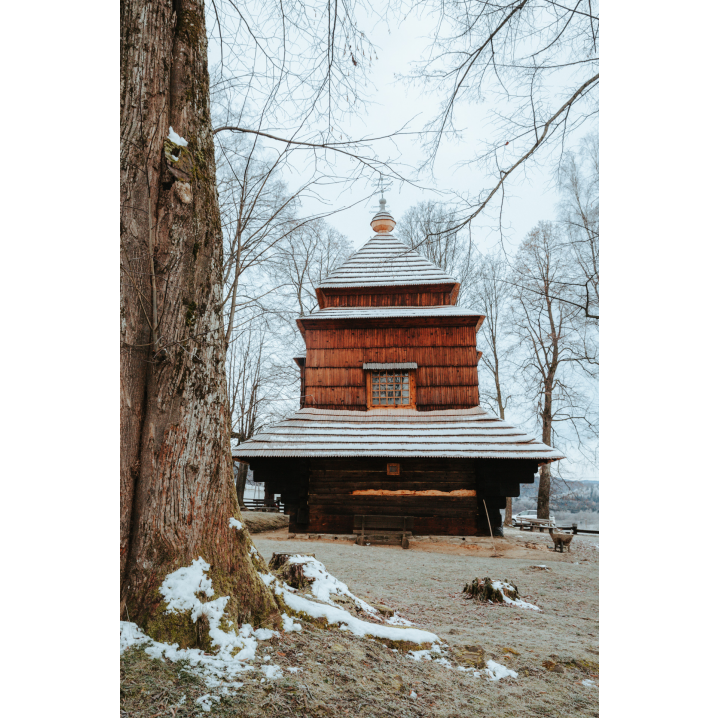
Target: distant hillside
(573,496)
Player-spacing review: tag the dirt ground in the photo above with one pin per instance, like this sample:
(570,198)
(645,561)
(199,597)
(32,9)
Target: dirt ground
(553,651)
(424,584)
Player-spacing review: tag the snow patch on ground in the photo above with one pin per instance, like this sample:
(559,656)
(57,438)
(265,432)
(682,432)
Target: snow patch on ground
(237,525)
(426,654)
(589,683)
(325,585)
(336,615)
(272,672)
(504,587)
(495,671)
(236,648)
(181,141)
(205,702)
(398,621)
(290,624)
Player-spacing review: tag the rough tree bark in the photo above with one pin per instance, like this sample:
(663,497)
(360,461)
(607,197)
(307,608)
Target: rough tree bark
(177,489)
(508,511)
(544,491)
(242,470)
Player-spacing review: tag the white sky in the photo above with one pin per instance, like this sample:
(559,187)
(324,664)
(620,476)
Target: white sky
(530,198)
(396,103)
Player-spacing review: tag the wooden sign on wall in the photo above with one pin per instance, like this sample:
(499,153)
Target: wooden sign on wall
(392,469)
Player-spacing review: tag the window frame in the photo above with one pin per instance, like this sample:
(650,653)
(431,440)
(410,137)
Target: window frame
(412,389)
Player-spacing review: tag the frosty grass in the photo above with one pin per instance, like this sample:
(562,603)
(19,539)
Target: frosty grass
(237,648)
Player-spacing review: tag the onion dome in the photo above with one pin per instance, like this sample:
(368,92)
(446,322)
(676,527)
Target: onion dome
(383,222)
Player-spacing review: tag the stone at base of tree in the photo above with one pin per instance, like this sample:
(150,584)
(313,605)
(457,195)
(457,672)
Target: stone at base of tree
(483,590)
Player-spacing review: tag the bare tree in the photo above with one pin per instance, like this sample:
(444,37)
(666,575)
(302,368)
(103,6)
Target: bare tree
(538,59)
(260,374)
(312,251)
(579,216)
(293,74)
(429,228)
(248,388)
(493,297)
(559,349)
(257,212)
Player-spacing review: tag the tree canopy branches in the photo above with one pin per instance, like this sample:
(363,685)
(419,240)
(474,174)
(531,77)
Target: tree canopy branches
(536,59)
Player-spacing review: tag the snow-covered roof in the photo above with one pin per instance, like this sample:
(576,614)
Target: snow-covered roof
(443,310)
(385,261)
(451,433)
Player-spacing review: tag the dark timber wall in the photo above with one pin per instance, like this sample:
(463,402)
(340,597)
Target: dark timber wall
(410,296)
(318,493)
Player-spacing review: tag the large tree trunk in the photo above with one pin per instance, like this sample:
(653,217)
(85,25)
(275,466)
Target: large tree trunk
(544,492)
(508,512)
(177,490)
(242,470)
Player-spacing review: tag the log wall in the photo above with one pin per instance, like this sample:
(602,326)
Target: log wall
(446,356)
(411,296)
(332,506)
(318,493)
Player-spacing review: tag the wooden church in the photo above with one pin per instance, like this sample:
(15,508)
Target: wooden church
(389,421)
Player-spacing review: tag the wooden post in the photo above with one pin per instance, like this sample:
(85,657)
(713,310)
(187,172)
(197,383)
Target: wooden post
(574,528)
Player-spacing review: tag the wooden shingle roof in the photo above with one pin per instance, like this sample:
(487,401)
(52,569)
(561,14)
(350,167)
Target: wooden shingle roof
(443,310)
(452,433)
(384,261)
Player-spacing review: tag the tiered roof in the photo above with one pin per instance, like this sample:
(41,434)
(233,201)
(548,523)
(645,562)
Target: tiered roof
(384,261)
(453,433)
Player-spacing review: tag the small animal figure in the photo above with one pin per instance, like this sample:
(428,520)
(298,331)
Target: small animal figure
(560,540)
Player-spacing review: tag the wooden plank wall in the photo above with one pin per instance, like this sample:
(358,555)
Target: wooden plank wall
(405,299)
(446,377)
(321,491)
(332,506)
(418,295)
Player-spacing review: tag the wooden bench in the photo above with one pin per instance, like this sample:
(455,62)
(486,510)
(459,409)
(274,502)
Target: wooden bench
(533,524)
(259,505)
(383,529)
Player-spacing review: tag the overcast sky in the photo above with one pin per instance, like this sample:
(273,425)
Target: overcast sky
(530,198)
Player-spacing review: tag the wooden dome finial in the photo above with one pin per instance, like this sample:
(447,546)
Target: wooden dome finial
(383,222)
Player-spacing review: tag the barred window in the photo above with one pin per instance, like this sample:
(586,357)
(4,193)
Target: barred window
(391,387)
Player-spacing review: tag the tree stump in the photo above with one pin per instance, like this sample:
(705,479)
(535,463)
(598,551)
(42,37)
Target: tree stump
(483,590)
(291,573)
